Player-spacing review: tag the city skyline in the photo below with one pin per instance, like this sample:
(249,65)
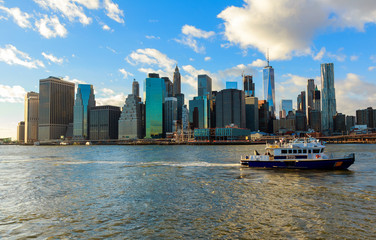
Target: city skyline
(108,44)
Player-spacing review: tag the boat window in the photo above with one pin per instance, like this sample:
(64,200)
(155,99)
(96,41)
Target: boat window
(316,150)
(310,150)
(290,151)
(322,150)
(284,151)
(300,151)
(294,151)
(304,150)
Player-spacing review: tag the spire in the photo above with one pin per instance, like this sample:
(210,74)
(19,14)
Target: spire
(267,56)
(176,68)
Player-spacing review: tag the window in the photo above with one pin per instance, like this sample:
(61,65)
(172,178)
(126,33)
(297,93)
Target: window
(284,151)
(316,150)
(304,150)
(294,151)
(310,150)
(290,151)
(299,151)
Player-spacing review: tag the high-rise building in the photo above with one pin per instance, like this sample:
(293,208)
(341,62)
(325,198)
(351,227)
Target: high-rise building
(135,88)
(180,98)
(350,122)
(169,87)
(56,100)
(286,107)
(231,85)
(248,86)
(185,117)
(85,100)
(131,121)
(199,112)
(300,121)
(251,113)
(264,115)
(230,108)
(269,87)
(204,86)
(328,98)
(366,117)
(316,100)
(104,122)
(170,114)
(176,82)
(31,117)
(339,123)
(21,132)
(301,102)
(309,97)
(315,120)
(154,99)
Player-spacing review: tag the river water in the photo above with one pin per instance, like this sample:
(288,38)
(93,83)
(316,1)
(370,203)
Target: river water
(180,192)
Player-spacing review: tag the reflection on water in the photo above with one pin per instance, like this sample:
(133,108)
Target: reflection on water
(171,192)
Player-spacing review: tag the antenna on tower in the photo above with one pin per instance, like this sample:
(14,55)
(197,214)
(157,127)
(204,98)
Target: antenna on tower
(267,56)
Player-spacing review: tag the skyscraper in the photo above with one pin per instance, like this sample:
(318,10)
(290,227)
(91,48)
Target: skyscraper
(269,87)
(21,132)
(131,124)
(169,87)
(301,102)
(154,99)
(204,86)
(170,114)
(231,85)
(286,107)
(251,113)
(85,100)
(135,88)
(309,97)
(31,117)
(328,98)
(176,82)
(316,100)
(56,100)
(230,108)
(104,122)
(199,112)
(248,86)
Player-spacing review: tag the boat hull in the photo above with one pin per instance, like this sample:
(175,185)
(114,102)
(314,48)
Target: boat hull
(330,164)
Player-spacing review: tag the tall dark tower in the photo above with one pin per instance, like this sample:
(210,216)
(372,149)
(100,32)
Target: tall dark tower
(177,82)
(135,88)
(248,86)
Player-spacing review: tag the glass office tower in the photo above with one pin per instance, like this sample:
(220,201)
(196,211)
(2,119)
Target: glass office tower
(56,100)
(85,100)
(269,87)
(248,86)
(286,107)
(231,85)
(328,98)
(154,99)
(230,108)
(199,112)
(204,86)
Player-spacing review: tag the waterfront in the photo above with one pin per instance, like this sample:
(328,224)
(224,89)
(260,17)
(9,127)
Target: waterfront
(170,192)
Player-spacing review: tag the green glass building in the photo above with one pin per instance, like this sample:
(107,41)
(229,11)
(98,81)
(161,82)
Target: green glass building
(154,99)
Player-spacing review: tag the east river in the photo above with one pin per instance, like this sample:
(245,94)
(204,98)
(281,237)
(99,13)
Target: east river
(180,192)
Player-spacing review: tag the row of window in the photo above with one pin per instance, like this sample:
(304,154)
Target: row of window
(301,151)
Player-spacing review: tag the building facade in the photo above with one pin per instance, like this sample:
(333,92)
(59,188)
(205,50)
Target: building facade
(135,88)
(366,117)
(154,101)
(56,101)
(132,119)
(31,117)
(104,122)
(21,132)
(339,123)
(328,98)
(269,87)
(286,107)
(230,108)
(264,116)
(85,100)
(204,86)
(248,86)
(231,85)
(199,112)
(251,113)
(176,82)
(168,86)
(170,114)
(309,98)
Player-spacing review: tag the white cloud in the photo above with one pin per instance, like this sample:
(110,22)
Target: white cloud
(91,4)
(259,63)
(125,73)
(112,50)
(287,27)
(152,57)
(353,93)
(190,33)
(52,58)
(152,37)
(69,8)
(12,56)
(50,27)
(371,68)
(354,58)
(320,54)
(107,91)
(207,58)
(12,94)
(19,17)
(106,27)
(339,56)
(74,80)
(113,11)
(108,96)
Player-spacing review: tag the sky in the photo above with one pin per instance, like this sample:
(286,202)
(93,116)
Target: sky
(109,43)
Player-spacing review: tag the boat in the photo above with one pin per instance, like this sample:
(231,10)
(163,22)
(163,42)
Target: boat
(303,153)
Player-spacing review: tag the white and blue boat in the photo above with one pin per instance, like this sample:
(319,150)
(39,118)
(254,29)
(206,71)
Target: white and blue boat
(306,153)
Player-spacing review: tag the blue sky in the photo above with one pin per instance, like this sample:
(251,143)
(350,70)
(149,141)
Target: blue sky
(107,43)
